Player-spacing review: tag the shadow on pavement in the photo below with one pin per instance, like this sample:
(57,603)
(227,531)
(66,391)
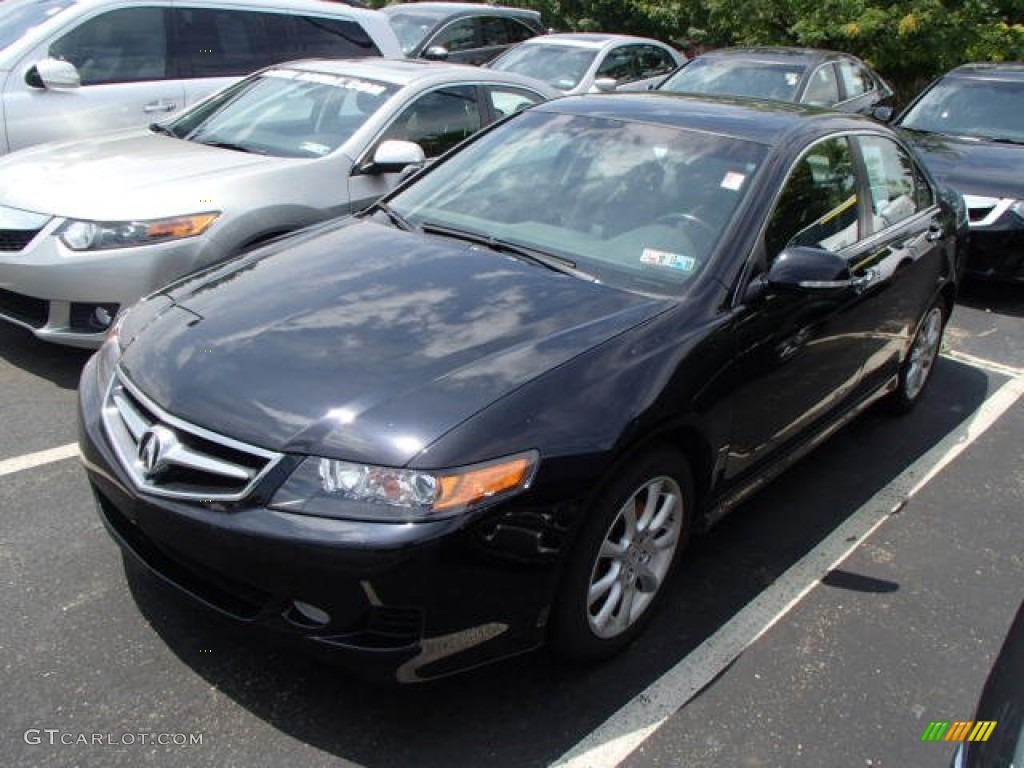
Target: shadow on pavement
(530,710)
(1001,298)
(54,362)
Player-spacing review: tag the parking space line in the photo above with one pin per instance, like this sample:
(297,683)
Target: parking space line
(30,460)
(638,719)
(979,362)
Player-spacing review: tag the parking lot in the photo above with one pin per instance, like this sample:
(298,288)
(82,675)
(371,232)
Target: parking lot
(824,623)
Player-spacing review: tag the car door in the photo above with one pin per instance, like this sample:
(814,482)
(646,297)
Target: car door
(127,79)
(436,120)
(458,39)
(862,89)
(806,354)
(653,63)
(822,87)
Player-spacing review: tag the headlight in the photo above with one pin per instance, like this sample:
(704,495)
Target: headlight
(342,489)
(104,235)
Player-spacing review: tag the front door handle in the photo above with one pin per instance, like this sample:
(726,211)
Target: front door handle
(163,105)
(935,233)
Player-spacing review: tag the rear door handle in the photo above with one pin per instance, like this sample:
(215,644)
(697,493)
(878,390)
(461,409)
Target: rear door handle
(163,105)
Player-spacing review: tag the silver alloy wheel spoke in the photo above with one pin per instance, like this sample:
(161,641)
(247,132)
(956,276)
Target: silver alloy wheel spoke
(634,557)
(924,352)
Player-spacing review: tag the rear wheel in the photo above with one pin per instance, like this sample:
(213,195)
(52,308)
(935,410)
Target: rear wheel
(915,373)
(624,556)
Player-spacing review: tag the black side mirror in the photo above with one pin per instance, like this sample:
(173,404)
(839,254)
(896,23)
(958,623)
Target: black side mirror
(801,268)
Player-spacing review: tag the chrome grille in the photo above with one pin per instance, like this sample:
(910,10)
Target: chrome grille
(167,456)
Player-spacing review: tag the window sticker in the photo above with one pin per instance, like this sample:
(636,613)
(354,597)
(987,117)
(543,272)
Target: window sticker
(339,81)
(314,148)
(792,78)
(733,181)
(670,260)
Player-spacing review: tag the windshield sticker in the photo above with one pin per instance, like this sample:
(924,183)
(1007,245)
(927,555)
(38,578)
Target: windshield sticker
(339,81)
(792,78)
(733,181)
(314,148)
(670,260)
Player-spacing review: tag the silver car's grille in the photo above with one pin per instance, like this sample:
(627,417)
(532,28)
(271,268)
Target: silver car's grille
(166,456)
(12,240)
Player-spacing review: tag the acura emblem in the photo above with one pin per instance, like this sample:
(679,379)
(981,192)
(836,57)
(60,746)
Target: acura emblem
(156,445)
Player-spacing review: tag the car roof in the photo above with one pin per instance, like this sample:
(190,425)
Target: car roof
(761,121)
(402,72)
(776,54)
(990,70)
(590,40)
(442,10)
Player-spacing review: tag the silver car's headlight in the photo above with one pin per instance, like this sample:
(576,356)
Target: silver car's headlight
(333,488)
(104,235)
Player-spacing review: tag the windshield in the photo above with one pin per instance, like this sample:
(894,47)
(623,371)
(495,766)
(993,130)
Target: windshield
(561,66)
(635,205)
(737,77)
(284,113)
(411,28)
(984,109)
(18,19)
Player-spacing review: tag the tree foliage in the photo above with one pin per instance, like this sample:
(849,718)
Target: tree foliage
(907,41)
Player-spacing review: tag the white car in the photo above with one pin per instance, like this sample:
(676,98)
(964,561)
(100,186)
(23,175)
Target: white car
(89,226)
(587,63)
(71,68)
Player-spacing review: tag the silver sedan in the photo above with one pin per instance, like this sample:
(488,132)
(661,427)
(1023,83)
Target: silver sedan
(578,63)
(89,226)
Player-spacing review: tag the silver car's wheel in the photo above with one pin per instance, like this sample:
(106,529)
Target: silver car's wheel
(628,542)
(635,556)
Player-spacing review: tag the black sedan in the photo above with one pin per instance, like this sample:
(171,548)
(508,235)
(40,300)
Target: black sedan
(491,410)
(804,75)
(968,126)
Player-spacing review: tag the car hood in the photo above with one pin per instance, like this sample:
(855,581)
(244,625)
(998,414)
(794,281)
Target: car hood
(119,176)
(366,342)
(970,166)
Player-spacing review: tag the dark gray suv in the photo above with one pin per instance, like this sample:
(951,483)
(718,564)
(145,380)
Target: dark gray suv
(467,33)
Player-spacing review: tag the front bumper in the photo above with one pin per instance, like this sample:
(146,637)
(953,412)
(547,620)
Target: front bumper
(54,292)
(997,240)
(402,601)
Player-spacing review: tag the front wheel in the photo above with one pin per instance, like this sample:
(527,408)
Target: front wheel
(624,555)
(924,351)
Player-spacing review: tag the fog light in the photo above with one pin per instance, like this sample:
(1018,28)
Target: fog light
(102,317)
(308,615)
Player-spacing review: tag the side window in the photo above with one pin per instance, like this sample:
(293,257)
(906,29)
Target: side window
(856,80)
(333,38)
(121,46)
(517,31)
(457,36)
(493,31)
(822,88)
(619,64)
(897,189)
(438,120)
(818,205)
(654,61)
(219,43)
(507,100)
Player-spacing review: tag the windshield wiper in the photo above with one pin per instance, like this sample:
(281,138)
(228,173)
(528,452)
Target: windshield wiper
(542,258)
(395,217)
(230,145)
(1002,140)
(162,129)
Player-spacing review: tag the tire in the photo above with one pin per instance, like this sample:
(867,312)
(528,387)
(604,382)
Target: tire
(916,370)
(621,561)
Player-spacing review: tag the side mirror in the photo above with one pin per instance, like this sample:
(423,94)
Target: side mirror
(436,53)
(809,269)
(53,73)
(882,114)
(606,84)
(393,156)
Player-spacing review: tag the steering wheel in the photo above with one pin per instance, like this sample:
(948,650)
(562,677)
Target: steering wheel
(705,235)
